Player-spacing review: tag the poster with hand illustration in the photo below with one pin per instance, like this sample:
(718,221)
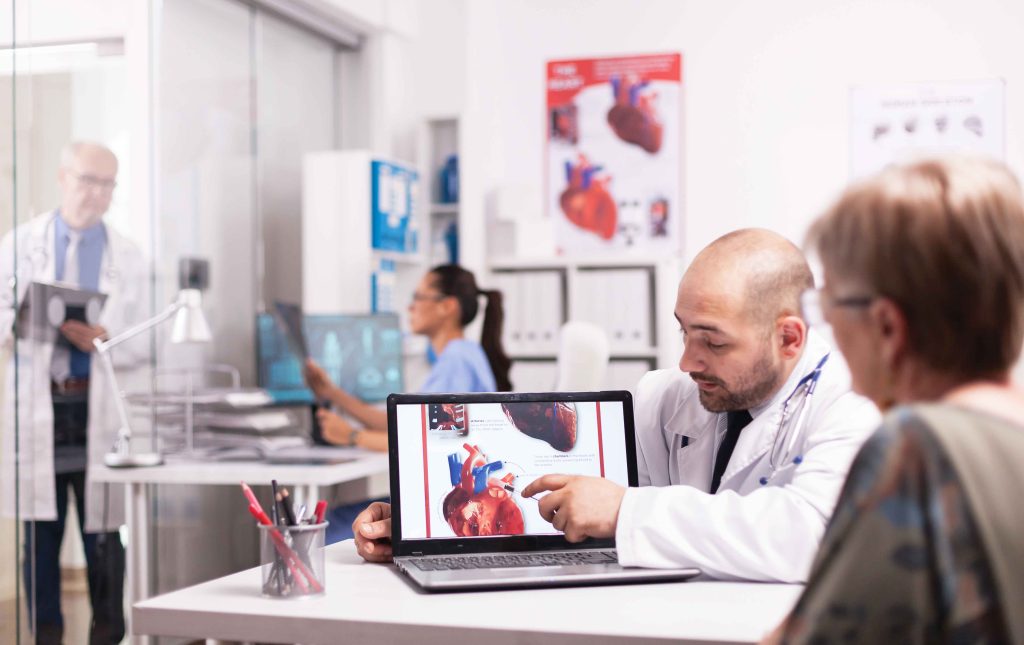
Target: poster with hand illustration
(613,154)
(899,123)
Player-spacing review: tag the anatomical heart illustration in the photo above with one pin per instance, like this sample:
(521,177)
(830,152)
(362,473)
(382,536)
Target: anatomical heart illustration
(554,423)
(586,200)
(480,504)
(449,417)
(633,117)
(613,154)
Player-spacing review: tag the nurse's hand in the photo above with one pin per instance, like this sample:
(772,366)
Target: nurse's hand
(580,507)
(81,335)
(372,529)
(333,428)
(317,379)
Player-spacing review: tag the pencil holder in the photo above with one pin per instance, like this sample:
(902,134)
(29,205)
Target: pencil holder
(292,560)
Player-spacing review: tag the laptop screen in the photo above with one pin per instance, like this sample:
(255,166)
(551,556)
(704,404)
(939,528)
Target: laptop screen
(463,460)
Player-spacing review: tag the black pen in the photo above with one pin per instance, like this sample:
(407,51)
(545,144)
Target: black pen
(274,517)
(286,506)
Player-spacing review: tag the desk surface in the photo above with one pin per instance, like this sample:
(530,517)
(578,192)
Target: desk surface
(375,603)
(252,472)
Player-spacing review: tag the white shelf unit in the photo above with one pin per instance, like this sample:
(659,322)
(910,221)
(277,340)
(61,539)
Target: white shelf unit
(438,140)
(632,298)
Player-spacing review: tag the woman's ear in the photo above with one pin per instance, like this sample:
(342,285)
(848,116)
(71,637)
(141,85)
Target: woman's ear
(792,335)
(450,307)
(889,328)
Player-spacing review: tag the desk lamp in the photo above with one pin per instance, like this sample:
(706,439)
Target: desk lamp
(189,326)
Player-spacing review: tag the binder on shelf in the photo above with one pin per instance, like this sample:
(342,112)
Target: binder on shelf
(626,374)
(533,376)
(394,192)
(549,311)
(533,306)
(619,301)
(382,287)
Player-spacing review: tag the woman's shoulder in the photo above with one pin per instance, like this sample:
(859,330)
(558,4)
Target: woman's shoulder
(939,416)
(461,349)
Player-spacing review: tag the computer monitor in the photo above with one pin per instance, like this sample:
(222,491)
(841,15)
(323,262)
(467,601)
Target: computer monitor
(361,353)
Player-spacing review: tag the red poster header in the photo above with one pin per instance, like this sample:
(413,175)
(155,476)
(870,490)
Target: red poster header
(565,78)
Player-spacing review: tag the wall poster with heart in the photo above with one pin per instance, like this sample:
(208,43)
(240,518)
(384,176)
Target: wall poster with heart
(613,169)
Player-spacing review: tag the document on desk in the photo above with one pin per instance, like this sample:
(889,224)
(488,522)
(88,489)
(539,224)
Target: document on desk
(317,455)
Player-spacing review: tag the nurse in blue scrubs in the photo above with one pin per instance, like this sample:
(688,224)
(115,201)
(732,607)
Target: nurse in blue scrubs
(446,300)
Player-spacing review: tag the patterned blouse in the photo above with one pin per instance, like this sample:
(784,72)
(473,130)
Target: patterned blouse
(902,560)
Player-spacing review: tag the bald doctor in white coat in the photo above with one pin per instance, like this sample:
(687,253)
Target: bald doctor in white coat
(747,350)
(86,178)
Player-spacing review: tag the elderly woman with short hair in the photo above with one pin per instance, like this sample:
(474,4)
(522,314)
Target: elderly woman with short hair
(924,291)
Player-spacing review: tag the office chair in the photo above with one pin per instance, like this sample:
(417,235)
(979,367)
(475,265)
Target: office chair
(582,357)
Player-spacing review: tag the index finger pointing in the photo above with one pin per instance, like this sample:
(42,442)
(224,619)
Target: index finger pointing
(547,482)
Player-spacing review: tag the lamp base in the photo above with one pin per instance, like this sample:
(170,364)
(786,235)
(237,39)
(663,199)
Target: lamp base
(136,460)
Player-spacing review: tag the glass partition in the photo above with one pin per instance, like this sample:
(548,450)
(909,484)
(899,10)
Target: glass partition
(242,96)
(66,225)
(194,116)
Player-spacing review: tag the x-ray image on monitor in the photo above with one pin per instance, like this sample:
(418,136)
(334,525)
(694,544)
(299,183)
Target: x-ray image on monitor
(361,353)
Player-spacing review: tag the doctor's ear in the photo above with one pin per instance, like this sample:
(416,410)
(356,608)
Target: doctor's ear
(792,334)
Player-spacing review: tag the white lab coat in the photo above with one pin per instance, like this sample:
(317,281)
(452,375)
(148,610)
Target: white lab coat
(749,530)
(124,278)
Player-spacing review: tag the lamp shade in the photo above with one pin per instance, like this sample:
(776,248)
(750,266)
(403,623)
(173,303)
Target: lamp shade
(190,324)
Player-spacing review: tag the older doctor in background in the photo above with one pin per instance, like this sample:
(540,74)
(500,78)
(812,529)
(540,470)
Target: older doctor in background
(741,451)
(66,418)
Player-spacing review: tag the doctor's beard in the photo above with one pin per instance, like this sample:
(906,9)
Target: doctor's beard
(751,390)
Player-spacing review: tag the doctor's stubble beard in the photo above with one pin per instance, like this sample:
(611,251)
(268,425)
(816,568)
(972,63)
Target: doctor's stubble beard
(752,389)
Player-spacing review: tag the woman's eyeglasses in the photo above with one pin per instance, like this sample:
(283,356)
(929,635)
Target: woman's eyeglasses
(814,302)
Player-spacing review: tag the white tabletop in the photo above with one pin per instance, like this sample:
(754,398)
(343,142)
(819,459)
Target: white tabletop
(252,472)
(375,603)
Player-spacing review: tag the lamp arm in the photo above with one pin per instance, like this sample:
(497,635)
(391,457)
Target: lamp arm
(103,346)
(124,433)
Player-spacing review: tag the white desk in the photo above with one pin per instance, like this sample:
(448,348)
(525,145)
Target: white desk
(374,603)
(307,480)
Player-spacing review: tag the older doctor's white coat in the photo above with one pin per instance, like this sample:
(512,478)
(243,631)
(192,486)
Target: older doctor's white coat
(123,277)
(764,523)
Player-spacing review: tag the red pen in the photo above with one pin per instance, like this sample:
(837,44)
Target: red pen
(321,507)
(249,495)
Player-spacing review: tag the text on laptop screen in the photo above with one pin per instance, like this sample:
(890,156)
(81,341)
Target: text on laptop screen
(462,466)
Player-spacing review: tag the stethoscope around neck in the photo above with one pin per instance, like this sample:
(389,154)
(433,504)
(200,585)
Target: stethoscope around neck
(792,423)
(39,255)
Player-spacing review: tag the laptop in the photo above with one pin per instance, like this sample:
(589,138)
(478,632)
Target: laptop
(458,463)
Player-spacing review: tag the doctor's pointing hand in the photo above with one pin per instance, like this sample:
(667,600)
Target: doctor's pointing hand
(580,507)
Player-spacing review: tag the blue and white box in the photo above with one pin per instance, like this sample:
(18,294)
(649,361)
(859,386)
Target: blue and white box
(393,196)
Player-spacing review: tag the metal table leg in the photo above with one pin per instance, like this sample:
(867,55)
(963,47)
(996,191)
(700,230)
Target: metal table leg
(138,551)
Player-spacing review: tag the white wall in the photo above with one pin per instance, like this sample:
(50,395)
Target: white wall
(61,21)
(766,87)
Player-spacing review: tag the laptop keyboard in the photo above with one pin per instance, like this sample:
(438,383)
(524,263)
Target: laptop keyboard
(508,560)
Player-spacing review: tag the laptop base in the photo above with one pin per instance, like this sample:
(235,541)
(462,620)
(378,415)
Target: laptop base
(536,576)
